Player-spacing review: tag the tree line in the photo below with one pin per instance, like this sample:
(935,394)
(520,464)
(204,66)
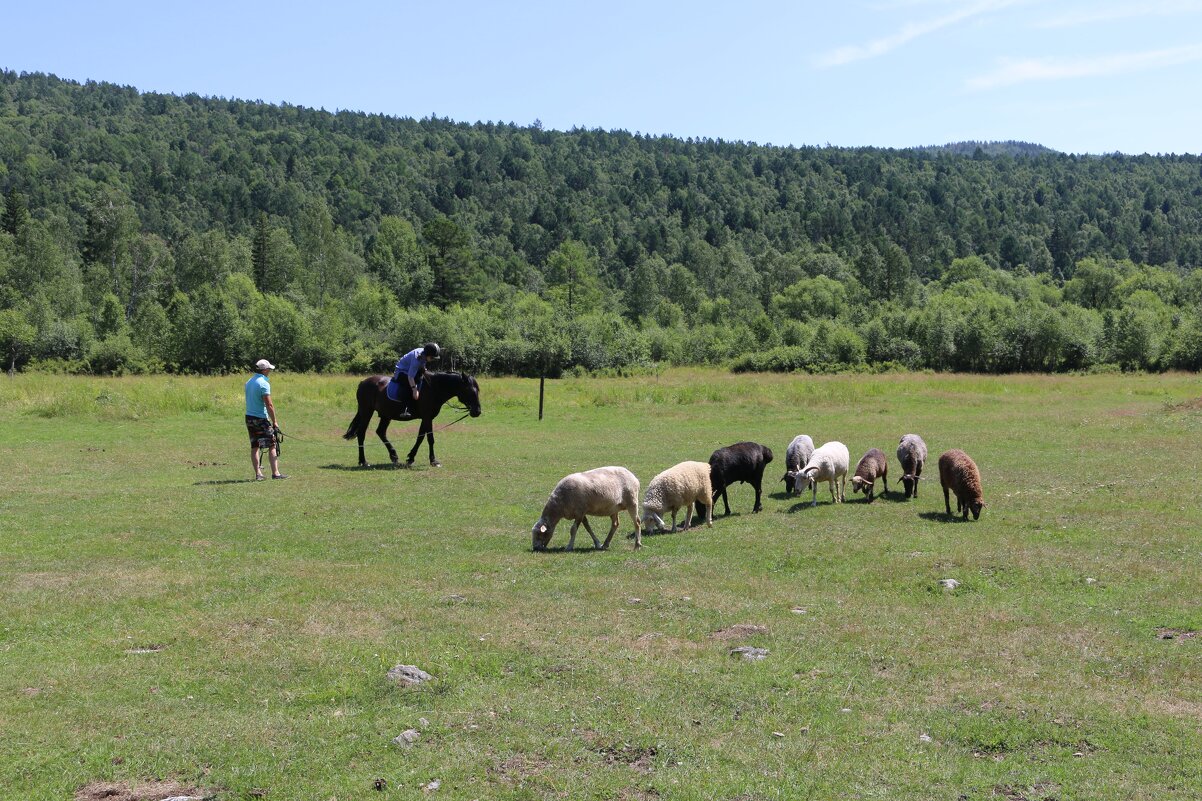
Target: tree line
(149,232)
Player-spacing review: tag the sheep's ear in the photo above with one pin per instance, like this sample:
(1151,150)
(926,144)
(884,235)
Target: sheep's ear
(542,529)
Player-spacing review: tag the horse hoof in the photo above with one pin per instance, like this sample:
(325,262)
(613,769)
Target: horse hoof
(435,463)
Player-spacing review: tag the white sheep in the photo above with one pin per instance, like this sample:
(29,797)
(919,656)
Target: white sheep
(796,456)
(679,487)
(604,492)
(829,463)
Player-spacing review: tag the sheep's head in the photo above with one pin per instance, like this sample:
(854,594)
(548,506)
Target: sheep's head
(911,484)
(541,535)
(650,517)
(858,484)
(790,479)
(975,507)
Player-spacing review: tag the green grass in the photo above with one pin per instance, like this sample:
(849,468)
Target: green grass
(274,610)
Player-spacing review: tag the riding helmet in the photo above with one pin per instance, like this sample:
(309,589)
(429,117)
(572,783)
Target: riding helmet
(431,350)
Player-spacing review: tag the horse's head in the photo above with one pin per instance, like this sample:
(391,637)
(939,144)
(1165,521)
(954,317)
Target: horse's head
(469,394)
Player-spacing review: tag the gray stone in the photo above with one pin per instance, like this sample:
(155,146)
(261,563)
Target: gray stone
(750,653)
(407,738)
(408,675)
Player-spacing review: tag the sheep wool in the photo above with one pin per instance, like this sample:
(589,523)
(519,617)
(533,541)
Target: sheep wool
(679,487)
(872,466)
(741,462)
(829,463)
(601,492)
(911,455)
(959,474)
(796,456)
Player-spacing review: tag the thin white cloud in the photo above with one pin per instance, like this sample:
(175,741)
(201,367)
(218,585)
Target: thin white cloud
(908,32)
(1115,13)
(1015,72)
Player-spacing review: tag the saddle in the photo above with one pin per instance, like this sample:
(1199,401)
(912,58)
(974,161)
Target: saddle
(399,393)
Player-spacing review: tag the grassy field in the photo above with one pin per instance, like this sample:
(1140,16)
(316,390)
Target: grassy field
(163,618)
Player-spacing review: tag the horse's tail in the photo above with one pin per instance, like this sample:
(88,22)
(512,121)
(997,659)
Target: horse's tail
(365,395)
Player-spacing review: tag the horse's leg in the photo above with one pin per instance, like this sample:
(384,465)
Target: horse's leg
(421,432)
(433,462)
(360,434)
(382,433)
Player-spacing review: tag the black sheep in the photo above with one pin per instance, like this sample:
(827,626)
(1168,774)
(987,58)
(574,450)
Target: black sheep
(743,461)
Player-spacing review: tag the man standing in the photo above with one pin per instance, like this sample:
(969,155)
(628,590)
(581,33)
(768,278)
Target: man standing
(261,422)
(410,371)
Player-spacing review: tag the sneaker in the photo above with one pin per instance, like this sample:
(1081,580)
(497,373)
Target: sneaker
(260,478)
(281,475)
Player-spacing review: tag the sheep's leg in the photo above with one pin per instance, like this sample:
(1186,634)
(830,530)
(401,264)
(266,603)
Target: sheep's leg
(843,488)
(589,529)
(759,479)
(709,516)
(638,527)
(572,533)
(725,502)
(613,526)
(834,485)
(947,503)
(688,516)
(814,486)
(871,487)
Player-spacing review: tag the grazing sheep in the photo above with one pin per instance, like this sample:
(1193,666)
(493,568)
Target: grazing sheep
(911,455)
(679,487)
(743,461)
(796,456)
(605,491)
(828,463)
(959,473)
(872,466)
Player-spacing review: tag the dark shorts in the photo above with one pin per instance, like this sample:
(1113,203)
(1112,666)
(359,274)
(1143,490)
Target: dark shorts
(262,432)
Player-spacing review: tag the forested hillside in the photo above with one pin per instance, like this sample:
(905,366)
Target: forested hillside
(144,231)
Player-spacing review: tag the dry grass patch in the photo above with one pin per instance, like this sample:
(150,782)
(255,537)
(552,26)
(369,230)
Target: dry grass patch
(151,790)
(739,631)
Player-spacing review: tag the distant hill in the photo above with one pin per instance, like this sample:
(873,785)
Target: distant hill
(1008,148)
(142,229)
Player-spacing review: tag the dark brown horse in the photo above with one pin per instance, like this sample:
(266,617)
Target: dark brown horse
(437,390)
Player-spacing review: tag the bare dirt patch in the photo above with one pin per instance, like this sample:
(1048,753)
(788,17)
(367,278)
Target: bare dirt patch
(521,768)
(138,791)
(1038,792)
(739,631)
(1191,405)
(1181,635)
(636,757)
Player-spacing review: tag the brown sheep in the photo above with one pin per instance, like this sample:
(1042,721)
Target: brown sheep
(959,473)
(872,466)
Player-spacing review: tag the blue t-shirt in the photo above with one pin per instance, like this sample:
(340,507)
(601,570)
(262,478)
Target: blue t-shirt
(257,388)
(411,363)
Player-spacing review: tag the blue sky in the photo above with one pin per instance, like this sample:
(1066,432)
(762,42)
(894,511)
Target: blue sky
(1082,76)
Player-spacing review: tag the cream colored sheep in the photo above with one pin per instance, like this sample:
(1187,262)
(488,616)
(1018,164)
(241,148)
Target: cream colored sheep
(604,491)
(829,463)
(679,487)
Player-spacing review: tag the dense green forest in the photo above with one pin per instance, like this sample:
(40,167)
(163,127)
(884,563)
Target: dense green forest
(146,232)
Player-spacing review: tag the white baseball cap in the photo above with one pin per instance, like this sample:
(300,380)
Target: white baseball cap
(263,364)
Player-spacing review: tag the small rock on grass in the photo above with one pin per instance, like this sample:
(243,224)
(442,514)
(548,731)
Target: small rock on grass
(949,583)
(408,675)
(750,653)
(406,739)
(432,786)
